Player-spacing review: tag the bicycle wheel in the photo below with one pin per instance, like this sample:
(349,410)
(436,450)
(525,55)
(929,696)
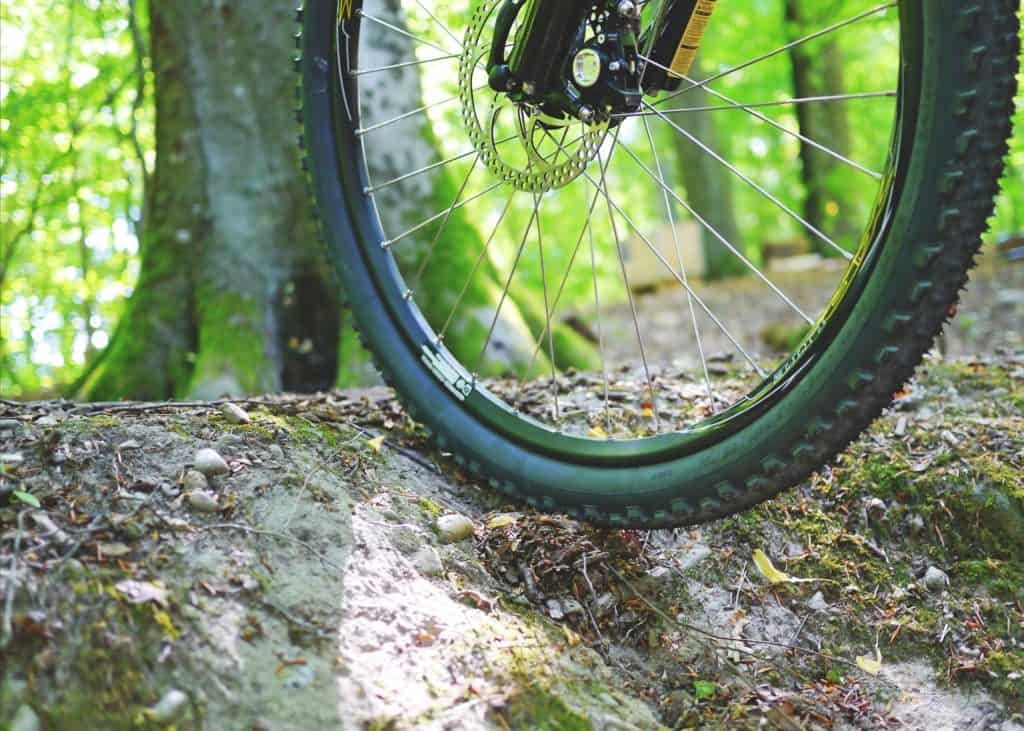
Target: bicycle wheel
(488,242)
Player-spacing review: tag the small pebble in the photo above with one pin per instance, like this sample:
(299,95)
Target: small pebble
(210,463)
(48,420)
(877,508)
(50,528)
(603,604)
(25,719)
(817,603)
(203,501)
(571,606)
(935,578)
(276,452)
(169,707)
(428,561)
(11,458)
(235,414)
(454,528)
(129,444)
(555,609)
(9,425)
(916,524)
(194,480)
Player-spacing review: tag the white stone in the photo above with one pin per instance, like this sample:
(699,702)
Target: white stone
(454,528)
(936,579)
(210,463)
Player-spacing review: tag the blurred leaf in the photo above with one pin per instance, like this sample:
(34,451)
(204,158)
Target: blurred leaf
(27,498)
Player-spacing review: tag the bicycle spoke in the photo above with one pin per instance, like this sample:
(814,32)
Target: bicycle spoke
(725,242)
(388,243)
(600,328)
(679,255)
(504,292)
(761,105)
(427,168)
(547,311)
(443,27)
(565,279)
(686,285)
(742,176)
(782,49)
(444,223)
(402,31)
(793,133)
(419,110)
(476,267)
(603,187)
(402,65)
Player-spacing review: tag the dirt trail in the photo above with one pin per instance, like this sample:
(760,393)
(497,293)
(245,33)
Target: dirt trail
(314,581)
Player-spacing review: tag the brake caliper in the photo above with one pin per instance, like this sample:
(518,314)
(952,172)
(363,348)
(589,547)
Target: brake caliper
(580,59)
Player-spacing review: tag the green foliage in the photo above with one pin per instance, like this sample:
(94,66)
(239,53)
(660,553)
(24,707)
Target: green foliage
(76,140)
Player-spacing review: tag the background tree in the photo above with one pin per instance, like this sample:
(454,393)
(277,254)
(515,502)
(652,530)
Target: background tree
(708,184)
(818,70)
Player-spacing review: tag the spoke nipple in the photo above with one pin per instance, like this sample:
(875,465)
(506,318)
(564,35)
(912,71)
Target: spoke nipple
(407,295)
(386,244)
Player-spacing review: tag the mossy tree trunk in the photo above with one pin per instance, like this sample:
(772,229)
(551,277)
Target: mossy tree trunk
(818,71)
(233,295)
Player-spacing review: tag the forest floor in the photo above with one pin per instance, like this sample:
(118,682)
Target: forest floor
(333,571)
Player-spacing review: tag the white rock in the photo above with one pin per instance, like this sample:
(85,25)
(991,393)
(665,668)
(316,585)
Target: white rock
(25,720)
(129,444)
(210,463)
(235,414)
(571,606)
(454,528)
(169,707)
(428,561)
(9,425)
(817,603)
(936,579)
(203,502)
(194,481)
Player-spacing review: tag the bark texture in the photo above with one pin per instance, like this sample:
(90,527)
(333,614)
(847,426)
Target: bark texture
(233,296)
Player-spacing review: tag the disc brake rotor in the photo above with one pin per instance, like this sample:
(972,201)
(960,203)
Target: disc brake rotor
(519,144)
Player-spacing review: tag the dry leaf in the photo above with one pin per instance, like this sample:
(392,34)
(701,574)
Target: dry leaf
(140,592)
(598,433)
(376,443)
(503,519)
(772,574)
(869,666)
(114,550)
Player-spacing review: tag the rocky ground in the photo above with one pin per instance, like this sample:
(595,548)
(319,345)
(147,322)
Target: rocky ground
(311,563)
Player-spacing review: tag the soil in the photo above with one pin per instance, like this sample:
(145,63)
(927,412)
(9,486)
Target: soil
(313,586)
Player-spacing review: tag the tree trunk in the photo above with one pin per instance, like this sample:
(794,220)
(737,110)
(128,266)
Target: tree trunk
(818,71)
(709,185)
(233,296)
